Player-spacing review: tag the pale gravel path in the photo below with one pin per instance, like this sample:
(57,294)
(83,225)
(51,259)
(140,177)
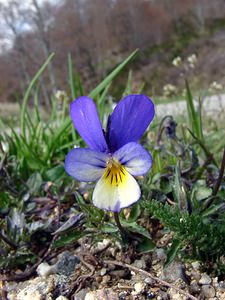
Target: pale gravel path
(212,105)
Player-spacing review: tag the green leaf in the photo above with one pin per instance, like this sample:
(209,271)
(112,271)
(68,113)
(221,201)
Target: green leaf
(34,182)
(203,193)
(172,253)
(212,209)
(68,239)
(134,227)
(56,173)
(135,213)
(109,228)
(4,200)
(146,245)
(165,186)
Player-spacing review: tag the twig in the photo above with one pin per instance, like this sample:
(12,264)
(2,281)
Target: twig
(135,269)
(220,177)
(78,284)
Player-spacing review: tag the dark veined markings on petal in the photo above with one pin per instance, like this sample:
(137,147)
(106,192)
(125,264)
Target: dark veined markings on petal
(115,173)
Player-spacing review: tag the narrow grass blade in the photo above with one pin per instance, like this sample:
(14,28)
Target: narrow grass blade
(128,88)
(193,116)
(28,92)
(36,108)
(79,84)
(173,251)
(56,136)
(71,78)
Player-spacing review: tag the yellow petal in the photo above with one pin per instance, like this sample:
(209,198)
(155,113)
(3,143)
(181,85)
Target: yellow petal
(116,188)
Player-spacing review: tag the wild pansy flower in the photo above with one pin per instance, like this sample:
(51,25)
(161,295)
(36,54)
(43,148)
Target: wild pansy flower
(114,157)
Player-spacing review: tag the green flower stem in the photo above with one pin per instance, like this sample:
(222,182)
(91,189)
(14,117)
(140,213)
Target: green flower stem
(123,232)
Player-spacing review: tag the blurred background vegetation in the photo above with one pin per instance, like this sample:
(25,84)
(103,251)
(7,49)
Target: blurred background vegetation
(101,33)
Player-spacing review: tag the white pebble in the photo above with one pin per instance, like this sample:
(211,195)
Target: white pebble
(139,287)
(45,269)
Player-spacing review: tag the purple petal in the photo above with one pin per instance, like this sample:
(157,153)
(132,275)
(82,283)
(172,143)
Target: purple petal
(135,158)
(85,119)
(129,120)
(85,164)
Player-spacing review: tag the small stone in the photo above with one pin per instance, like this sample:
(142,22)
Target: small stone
(205,279)
(81,294)
(106,279)
(44,269)
(103,271)
(149,280)
(119,273)
(208,291)
(220,295)
(40,288)
(90,296)
(195,275)
(162,296)
(215,282)
(101,295)
(123,296)
(194,287)
(61,298)
(35,295)
(160,254)
(139,287)
(139,263)
(102,245)
(174,272)
(66,263)
(221,285)
(195,265)
(98,279)
(175,295)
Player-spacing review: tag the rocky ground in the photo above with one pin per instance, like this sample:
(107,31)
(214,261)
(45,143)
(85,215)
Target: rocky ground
(104,271)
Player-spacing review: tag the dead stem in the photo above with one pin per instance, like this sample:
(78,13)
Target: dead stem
(162,282)
(220,177)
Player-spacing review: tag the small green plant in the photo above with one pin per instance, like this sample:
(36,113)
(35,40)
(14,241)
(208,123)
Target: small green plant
(187,191)
(33,183)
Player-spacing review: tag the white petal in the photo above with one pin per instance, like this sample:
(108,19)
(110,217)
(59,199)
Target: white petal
(116,191)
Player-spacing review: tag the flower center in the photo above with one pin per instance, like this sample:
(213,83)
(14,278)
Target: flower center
(115,173)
